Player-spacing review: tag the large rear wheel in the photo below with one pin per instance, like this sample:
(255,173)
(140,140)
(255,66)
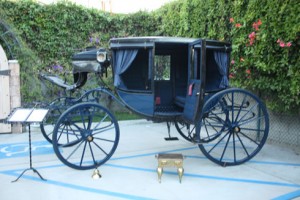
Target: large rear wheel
(237,123)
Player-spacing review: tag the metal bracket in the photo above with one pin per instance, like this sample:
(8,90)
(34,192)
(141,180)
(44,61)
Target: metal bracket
(5,72)
(3,121)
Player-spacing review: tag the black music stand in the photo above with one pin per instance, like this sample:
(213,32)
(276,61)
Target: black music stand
(28,116)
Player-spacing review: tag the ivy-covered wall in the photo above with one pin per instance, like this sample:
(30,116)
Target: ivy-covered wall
(264,35)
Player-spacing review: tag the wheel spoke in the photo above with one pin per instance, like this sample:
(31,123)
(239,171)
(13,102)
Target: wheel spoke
(234,152)
(241,107)
(232,106)
(247,121)
(71,154)
(218,142)
(255,105)
(242,144)
(83,152)
(225,148)
(101,130)
(249,138)
(82,119)
(216,125)
(62,131)
(92,153)
(104,139)
(252,129)
(100,148)
(102,120)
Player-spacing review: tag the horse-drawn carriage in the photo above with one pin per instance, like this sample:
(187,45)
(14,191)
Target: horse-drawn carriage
(181,81)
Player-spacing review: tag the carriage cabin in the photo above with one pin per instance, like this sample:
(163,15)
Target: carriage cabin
(168,76)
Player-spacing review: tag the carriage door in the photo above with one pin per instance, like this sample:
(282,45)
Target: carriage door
(195,90)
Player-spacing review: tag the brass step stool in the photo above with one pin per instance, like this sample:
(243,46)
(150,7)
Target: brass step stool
(170,160)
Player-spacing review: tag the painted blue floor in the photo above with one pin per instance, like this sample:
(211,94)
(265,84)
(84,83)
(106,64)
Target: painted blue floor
(131,173)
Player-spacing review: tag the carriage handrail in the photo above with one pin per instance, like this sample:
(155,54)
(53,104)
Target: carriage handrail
(105,90)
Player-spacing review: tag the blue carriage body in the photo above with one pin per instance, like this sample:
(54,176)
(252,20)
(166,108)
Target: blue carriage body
(154,75)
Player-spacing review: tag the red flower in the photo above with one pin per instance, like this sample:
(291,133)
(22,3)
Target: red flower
(242,59)
(238,25)
(248,71)
(232,62)
(256,25)
(231,75)
(282,44)
(251,38)
(259,22)
(231,20)
(252,35)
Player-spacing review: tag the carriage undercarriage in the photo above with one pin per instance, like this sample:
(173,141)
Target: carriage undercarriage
(230,125)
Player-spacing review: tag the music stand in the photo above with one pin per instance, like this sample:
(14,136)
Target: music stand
(28,116)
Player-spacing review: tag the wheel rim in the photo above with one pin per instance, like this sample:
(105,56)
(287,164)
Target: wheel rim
(92,136)
(238,124)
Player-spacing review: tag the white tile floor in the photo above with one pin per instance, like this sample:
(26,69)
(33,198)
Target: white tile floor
(131,173)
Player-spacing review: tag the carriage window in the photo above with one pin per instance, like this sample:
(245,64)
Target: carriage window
(162,65)
(136,76)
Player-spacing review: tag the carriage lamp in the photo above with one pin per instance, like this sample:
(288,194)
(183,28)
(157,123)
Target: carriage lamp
(170,160)
(96,174)
(101,55)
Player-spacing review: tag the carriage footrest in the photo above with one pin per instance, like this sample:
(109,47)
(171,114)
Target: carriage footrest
(170,160)
(166,111)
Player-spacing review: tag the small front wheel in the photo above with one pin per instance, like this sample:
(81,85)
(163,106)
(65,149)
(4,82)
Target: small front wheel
(85,136)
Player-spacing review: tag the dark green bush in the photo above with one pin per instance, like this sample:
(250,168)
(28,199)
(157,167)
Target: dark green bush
(257,29)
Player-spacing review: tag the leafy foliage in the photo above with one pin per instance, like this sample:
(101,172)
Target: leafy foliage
(264,36)
(265,42)
(55,32)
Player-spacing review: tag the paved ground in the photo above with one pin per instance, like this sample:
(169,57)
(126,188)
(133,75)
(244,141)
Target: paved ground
(131,173)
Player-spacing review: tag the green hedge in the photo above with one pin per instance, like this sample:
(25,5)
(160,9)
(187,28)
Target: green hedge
(265,37)
(55,32)
(264,34)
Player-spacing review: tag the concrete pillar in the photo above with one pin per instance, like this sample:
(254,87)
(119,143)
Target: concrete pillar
(15,93)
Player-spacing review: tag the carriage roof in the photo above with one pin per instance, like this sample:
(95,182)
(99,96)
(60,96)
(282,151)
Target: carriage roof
(140,42)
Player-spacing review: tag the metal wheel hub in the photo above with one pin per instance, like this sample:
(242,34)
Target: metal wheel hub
(88,135)
(236,129)
(90,138)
